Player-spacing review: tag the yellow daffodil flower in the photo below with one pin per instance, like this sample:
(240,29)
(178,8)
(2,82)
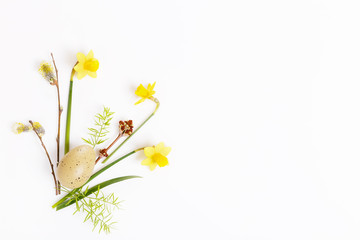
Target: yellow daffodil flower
(144,93)
(87,65)
(156,156)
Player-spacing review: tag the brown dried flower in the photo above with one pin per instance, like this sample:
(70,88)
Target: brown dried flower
(126,127)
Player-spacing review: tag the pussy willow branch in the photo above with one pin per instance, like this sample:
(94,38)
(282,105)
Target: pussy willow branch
(59,110)
(57,191)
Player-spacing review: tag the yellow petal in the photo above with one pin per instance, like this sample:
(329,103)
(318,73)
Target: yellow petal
(92,74)
(141,91)
(149,151)
(165,151)
(80,57)
(79,67)
(81,74)
(147,162)
(152,87)
(152,166)
(159,147)
(140,101)
(90,55)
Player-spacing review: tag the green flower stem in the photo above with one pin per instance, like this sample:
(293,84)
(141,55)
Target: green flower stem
(152,114)
(68,116)
(62,200)
(110,165)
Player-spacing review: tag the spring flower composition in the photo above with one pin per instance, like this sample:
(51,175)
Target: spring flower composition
(67,171)
(145,93)
(156,156)
(87,65)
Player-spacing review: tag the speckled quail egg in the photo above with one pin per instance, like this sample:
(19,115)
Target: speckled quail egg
(76,167)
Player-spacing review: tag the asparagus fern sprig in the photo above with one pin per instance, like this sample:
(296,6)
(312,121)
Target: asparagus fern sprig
(97,135)
(97,206)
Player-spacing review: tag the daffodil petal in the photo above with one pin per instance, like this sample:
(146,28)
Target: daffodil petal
(140,101)
(90,55)
(79,67)
(165,151)
(147,161)
(149,151)
(81,74)
(80,57)
(159,147)
(141,91)
(152,87)
(152,166)
(92,74)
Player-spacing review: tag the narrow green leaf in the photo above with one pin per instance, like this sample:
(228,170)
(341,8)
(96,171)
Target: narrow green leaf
(95,188)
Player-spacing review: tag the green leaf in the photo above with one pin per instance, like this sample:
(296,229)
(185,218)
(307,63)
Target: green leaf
(94,189)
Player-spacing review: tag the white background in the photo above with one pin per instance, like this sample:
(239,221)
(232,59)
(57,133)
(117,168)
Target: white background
(259,102)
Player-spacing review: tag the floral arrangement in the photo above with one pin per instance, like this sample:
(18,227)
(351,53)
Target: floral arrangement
(73,172)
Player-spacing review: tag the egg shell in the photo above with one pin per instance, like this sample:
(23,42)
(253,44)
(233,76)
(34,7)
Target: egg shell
(76,167)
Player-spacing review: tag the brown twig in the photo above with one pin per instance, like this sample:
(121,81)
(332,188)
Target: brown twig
(126,129)
(103,152)
(57,190)
(60,111)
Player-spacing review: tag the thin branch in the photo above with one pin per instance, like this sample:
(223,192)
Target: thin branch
(59,110)
(47,154)
(103,152)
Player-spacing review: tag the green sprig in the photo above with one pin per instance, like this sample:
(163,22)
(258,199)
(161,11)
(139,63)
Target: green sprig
(102,123)
(97,207)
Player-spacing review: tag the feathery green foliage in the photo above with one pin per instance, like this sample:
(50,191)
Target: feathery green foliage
(102,123)
(97,207)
